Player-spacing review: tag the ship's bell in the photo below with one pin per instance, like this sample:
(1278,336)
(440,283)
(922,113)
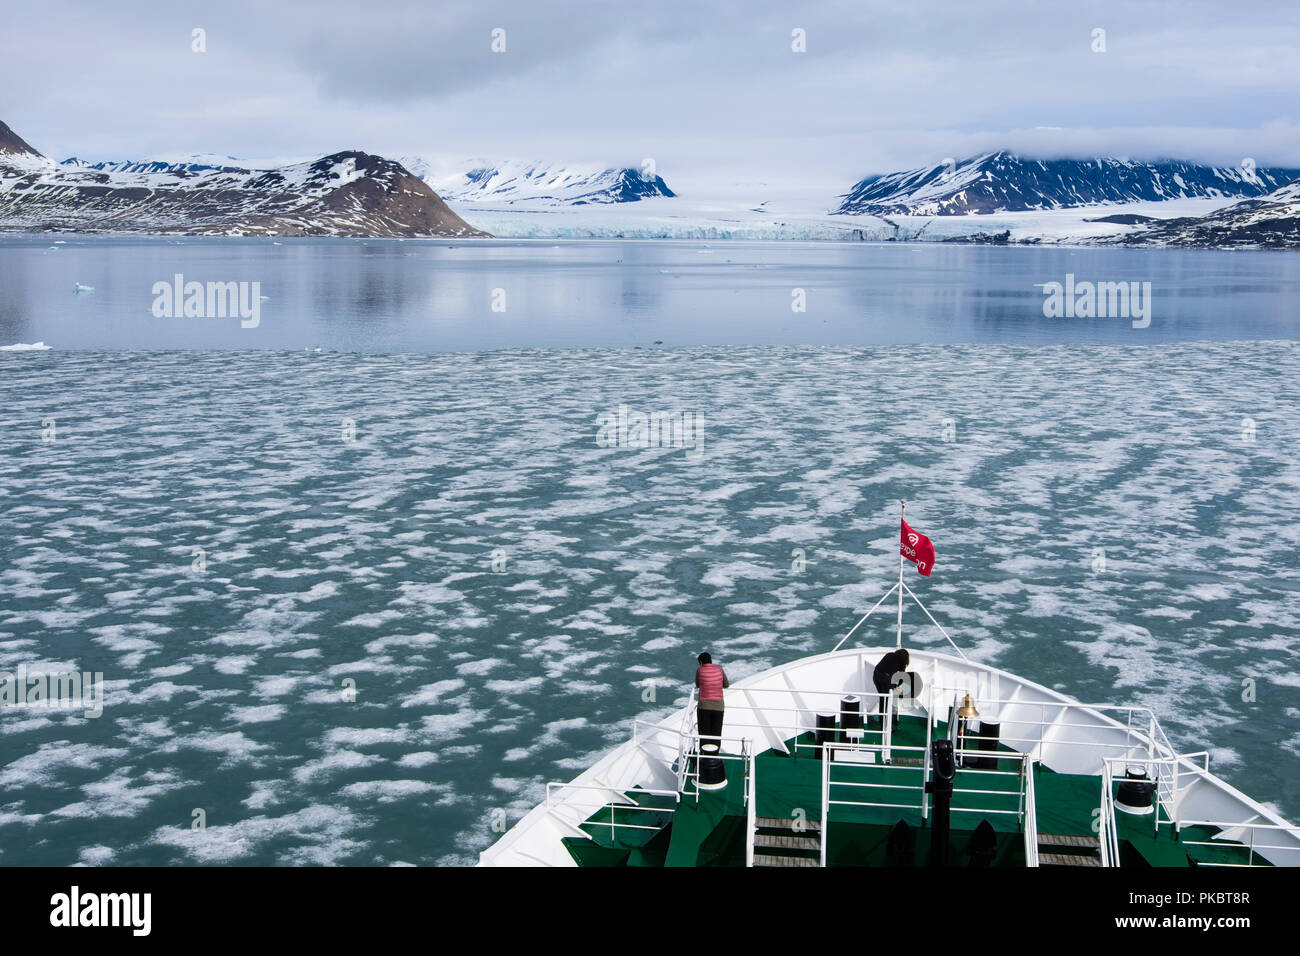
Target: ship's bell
(967,710)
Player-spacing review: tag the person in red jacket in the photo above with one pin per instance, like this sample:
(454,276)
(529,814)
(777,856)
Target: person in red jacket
(711,680)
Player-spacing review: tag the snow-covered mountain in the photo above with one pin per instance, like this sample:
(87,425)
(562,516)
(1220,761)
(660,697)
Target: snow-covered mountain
(148,166)
(1003,182)
(358,194)
(538,183)
(349,193)
(1270,222)
(195,161)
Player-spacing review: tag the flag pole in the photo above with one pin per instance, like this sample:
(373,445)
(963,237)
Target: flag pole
(902,517)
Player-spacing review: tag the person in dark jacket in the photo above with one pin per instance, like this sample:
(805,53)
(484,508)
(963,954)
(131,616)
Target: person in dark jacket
(711,680)
(883,675)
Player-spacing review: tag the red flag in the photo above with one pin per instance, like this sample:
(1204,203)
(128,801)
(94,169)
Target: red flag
(918,549)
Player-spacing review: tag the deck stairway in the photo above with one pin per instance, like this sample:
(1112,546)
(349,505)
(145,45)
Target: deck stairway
(777,842)
(1068,849)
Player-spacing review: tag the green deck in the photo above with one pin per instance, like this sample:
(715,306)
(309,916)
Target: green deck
(708,828)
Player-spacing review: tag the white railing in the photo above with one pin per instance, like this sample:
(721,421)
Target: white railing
(1037,727)
(672,755)
(1107,830)
(751,821)
(829,758)
(1251,847)
(1031,818)
(884,732)
(921,801)
(1015,713)
(1163,774)
(800,724)
(745,758)
(688,749)
(1019,793)
(1145,743)
(625,803)
(887,728)
(826,802)
(925,765)
(689,726)
(1175,786)
(1167,775)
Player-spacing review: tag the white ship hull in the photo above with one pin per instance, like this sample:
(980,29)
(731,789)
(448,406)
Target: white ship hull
(766,710)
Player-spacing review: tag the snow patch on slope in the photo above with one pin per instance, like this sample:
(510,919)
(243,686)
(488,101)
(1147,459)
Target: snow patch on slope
(536,183)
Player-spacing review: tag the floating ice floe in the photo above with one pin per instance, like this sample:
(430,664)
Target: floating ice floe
(23,347)
(78,289)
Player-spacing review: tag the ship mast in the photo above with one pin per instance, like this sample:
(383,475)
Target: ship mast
(899,641)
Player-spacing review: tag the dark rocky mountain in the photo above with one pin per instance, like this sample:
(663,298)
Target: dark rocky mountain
(1003,182)
(1270,222)
(13,144)
(349,193)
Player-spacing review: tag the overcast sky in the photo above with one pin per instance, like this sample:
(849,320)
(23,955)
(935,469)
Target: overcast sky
(711,90)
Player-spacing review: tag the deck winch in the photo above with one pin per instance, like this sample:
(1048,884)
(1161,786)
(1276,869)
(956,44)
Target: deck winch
(712,775)
(1135,792)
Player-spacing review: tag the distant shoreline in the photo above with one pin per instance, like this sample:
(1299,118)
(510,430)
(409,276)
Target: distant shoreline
(973,240)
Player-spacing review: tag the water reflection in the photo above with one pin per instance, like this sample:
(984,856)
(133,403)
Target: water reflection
(457,296)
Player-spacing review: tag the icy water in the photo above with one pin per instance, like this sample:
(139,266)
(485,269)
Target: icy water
(389,296)
(352,605)
(504,594)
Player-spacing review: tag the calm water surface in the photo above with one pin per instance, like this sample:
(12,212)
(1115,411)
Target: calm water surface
(388,296)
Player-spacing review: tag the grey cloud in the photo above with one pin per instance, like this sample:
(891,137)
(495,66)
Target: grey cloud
(707,89)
